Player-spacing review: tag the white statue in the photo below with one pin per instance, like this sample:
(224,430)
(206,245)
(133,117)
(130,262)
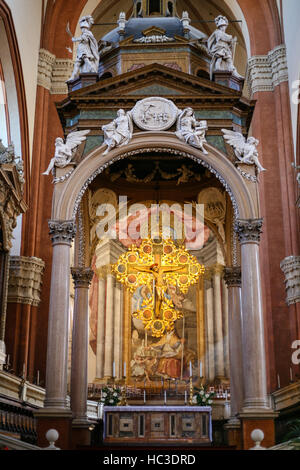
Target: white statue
(245,150)
(221,46)
(190,130)
(65,151)
(119,131)
(87,59)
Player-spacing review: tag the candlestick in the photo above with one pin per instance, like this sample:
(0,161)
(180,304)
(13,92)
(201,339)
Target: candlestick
(185,397)
(191,391)
(124,369)
(165,397)
(114,369)
(7,360)
(144,396)
(201,369)
(191,370)
(123,401)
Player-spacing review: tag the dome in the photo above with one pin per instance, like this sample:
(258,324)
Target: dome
(135,26)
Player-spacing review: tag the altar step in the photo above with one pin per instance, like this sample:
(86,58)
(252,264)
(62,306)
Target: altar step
(133,448)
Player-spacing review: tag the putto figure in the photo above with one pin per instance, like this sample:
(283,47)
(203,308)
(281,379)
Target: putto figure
(221,46)
(119,131)
(65,151)
(244,149)
(190,130)
(87,59)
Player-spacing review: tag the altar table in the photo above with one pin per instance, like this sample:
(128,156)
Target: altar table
(157,424)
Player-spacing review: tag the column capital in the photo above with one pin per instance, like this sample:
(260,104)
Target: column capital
(82,277)
(233,276)
(248,230)
(62,231)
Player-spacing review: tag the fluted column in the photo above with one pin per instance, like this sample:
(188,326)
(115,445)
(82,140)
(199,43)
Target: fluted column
(218,323)
(79,370)
(100,327)
(233,280)
(109,329)
(62,234)
(209,320)
(254,361)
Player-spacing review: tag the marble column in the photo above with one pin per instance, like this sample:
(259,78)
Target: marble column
(233,280)
(225,328)
(100,327)
(109,329)
(209,315)
(80,340)
(4,273)
(62,234)
(118,331)
(218,323)
(253,343)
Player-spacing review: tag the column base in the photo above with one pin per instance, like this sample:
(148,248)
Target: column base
(234,433)
(54,418)
(81,434)
(263,419)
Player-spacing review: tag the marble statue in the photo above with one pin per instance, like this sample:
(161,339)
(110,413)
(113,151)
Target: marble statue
(244,149)
(221,46)
(87,59)
(119,131)
(65,151)
(190,130)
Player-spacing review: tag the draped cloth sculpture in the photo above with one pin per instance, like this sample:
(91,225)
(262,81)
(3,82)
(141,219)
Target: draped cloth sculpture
(119,131)
(190,130)
(221,46)
(87,59)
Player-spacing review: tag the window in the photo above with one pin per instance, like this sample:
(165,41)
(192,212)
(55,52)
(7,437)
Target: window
(4,114)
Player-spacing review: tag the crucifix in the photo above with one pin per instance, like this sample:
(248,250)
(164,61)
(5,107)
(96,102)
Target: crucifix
(164,268)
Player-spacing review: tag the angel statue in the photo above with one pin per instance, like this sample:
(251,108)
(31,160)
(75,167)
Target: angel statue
(119,131)
(190,130)
(221,46)
(65,151)
(245,150)
(87,59)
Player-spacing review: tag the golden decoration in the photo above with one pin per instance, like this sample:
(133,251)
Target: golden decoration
(158,264)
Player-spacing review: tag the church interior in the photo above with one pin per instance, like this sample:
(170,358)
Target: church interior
(149,224)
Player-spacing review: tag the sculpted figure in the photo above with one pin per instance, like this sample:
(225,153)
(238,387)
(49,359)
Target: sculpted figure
(65,151)
(190,130)
(221,46)
(87,59)
(244,149)
(119,131)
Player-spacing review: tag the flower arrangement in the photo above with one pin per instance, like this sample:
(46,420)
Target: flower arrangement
(203,397)
(110,396)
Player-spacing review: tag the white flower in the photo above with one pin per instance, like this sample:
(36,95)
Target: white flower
(115,394)
(207,395)
(194,399)
(104,394)
(103,400)
(210,402)
(111,401)
(202,392)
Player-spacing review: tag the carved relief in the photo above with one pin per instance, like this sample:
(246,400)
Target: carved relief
(62,232)
(249,230)
(155,114)
(25,280)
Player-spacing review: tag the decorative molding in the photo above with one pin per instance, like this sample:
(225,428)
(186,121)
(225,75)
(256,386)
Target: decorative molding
(248,230)
(82,277)
(25,280)
(291,268)
(265,72)
(53,73)
(247,176)
(233,276)
(62,232)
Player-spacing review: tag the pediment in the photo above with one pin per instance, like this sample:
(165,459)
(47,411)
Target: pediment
(154,79)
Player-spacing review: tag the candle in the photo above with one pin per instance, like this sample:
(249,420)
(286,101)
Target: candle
(226,395)
(144,396)
(114,369)
(38,377)
(7,362)
(191,372)
(201,369)
(278,380)
(124,369)
(185,396)
(291,374)
(165,397)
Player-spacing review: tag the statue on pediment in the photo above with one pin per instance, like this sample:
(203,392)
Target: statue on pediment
(221,47)
(119,131)
(190,130)
(87,58)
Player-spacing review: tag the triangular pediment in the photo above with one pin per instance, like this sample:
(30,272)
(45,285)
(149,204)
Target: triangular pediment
(154,79)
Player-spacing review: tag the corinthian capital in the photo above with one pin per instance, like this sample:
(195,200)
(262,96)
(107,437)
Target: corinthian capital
(82,277)
(62,232)
(248,230)
(232,276)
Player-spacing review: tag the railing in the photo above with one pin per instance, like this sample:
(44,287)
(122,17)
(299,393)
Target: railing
(19,422)
(11,443)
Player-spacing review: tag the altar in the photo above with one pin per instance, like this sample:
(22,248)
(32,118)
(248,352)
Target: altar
(155,424)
